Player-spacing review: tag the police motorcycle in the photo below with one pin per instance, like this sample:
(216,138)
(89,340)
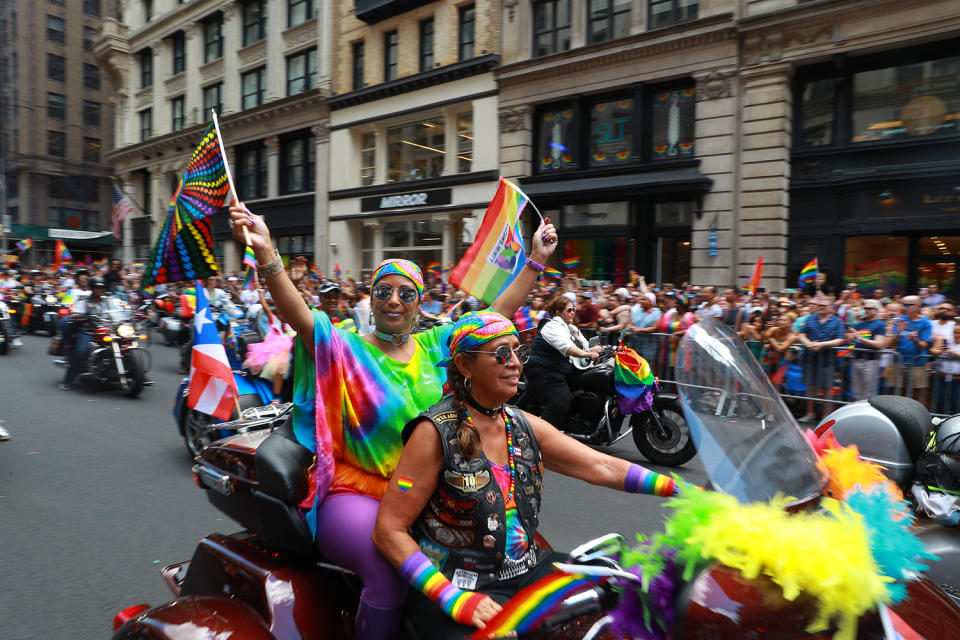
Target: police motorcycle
(660,434)
(115,357)
(268,581)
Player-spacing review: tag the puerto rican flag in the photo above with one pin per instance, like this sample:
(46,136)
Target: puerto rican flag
(212,388)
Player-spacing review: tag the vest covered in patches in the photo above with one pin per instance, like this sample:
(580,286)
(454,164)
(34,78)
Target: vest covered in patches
(462,529)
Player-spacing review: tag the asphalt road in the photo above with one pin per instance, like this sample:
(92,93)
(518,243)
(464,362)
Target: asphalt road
(96,495)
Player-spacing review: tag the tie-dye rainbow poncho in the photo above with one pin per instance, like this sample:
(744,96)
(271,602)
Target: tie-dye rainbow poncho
(351,407)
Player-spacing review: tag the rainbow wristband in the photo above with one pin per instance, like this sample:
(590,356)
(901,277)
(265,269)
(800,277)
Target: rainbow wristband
(420,572)
(651,483)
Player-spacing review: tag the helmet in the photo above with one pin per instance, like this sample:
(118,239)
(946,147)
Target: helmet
(939,466)
(97,281)
(947,438)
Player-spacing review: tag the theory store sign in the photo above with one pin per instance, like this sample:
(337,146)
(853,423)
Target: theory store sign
(409,200)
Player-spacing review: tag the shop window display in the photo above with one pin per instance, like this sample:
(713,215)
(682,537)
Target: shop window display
(416,151)
(557,135)
(863,267)
(673,121)
(611,132)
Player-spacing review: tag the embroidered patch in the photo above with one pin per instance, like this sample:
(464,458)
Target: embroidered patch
(466,580)
(437,554)
(467,482)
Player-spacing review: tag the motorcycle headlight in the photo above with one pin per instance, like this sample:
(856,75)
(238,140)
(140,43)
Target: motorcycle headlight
(126,331)
(51,299)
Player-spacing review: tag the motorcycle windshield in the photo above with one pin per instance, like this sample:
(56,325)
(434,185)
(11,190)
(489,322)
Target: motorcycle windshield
(750,445)
(115,310)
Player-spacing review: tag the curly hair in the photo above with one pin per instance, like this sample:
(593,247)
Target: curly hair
(467,435)
(557,304)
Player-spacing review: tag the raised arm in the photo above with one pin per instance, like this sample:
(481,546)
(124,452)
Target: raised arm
(544,244)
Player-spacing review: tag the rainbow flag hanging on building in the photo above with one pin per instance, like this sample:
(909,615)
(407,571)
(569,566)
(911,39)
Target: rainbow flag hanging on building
(571,263)
(250,273)
(497,255)
(24,245)
(754,283)
(61,255)
(634,382)
(808,273)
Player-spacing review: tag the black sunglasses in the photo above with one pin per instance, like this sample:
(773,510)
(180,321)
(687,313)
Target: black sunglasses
(384,292)
(503,354)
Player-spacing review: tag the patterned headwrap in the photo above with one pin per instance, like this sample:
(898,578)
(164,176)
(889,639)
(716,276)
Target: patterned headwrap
(400,267)
(477,327)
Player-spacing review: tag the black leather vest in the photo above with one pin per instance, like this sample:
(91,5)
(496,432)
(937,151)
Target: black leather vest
(546,355)
(462,529)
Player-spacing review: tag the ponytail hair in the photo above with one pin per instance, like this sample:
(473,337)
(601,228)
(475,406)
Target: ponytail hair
(467,435)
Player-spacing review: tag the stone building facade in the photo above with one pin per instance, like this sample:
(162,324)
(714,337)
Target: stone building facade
(265,67)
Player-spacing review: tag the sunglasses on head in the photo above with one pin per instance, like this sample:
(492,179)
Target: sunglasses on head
(503,354)
(384,292)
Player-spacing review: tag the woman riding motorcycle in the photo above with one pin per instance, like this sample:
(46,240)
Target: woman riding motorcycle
(353,400)
(472,445)
(76,333)
(550,370)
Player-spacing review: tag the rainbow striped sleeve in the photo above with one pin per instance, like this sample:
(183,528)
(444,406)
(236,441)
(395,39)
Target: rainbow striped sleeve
(458,604)
(651,483)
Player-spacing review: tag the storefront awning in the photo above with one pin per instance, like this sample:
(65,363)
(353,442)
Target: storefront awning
(682,180)
(38,234)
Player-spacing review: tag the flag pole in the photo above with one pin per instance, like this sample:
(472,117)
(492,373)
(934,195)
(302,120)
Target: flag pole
(233,189)
(529,201)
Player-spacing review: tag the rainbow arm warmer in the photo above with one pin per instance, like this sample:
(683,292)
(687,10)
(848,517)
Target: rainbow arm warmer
(420,572)
(642,480)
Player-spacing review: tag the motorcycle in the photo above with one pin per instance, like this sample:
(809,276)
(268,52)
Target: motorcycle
(269,582)
(6,328)
(42,312)
(115,356)
(660,434)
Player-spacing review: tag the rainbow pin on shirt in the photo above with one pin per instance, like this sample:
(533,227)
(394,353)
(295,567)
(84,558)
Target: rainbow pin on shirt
(404,484)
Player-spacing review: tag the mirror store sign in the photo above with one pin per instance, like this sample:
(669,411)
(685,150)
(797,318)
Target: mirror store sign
(408,200)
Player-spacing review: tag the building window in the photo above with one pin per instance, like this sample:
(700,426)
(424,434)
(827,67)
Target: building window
(55,65)
(299,11)
(301,71)
(147,190)
(426,44)
(253,85)
(551,26)
(907,101)
(418,240)
(91,76)
(556,138)
(147,10)
(213,39)
(389,55)
(368,158)
(56,144)
(674,113)
(611,132)
(212,99)
(664,12)
(816,106)
(91,149)
(416,151)
(179,46)
(146,68)
(91,113)
(252,162)
(55,28)
(82,188)
(92,8)
(297,164)
(609,20)
(466,32)
(293,246)
(176,110)
(146,124)
(464,142)
(254,21)
(357,48)
(80,219)
(56,106)
(89,37)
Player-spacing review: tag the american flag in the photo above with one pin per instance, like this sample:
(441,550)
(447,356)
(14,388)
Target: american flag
(121,209)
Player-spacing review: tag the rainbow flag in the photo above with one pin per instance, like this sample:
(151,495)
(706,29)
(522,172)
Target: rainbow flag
(137,265)
(530,606)
(100,263)
(808,273)
(550,272)
(61,255)
(497,255)
(634,382)
(315,272)
(571,263)
(433,269)
(445,271)
(336,270)
(756,277)
(250,273)
(24,245)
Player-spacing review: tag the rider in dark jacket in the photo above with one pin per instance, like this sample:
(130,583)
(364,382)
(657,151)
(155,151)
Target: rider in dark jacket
(78,331)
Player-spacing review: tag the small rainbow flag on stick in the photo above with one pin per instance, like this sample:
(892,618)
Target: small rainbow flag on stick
(315,272)
(571,263)
(550,272)
(24,245)
(530,606)
(634,382)
(808,273)
(497,255)
(61,255)
(250,273)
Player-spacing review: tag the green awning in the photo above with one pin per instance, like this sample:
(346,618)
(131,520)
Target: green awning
(39,233)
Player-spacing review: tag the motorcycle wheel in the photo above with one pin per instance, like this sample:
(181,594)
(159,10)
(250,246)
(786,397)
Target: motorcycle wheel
(5,345)
(133,362)
(673,451)
(195,434)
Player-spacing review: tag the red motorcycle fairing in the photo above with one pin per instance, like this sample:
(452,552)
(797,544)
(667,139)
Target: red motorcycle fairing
(722,603)
(197,618)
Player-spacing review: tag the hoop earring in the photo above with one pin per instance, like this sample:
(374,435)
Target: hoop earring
(467,384)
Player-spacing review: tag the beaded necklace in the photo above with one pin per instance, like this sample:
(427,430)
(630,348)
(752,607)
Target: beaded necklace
(511,452)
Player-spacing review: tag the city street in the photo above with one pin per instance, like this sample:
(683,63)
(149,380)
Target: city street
(96,495)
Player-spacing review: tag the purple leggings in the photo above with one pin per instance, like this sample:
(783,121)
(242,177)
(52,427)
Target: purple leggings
(344,536)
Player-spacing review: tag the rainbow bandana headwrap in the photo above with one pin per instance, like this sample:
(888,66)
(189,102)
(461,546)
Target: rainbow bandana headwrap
(400,267)
(476,327)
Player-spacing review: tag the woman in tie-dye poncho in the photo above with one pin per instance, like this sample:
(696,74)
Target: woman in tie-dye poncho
(352,397)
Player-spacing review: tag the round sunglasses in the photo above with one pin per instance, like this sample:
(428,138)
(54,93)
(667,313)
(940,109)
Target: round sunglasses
(503,353)
(384,292)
